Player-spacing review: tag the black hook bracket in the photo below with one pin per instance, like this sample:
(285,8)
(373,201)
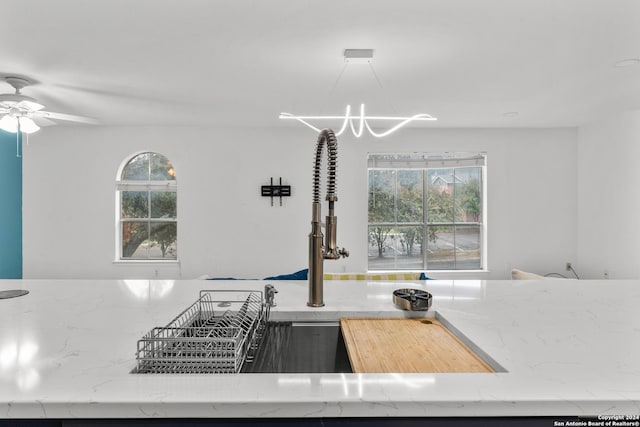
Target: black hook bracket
(276,191)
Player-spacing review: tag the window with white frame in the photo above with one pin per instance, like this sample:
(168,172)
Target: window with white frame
(147,209)
(426,211)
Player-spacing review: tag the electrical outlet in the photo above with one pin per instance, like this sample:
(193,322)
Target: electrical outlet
(567,266)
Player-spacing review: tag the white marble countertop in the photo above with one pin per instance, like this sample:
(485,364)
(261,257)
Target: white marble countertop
(569,348)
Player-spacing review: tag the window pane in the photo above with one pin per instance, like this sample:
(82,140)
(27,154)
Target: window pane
(135,240)
(468,247)
(409,191)
(134,204)
(380,244)
(161,168)
(440,189)
(137,169)
(163,240)
(163,204)
(440,248)
(453,248)
(468,195)
(410,242)
(381,195)
(395,248)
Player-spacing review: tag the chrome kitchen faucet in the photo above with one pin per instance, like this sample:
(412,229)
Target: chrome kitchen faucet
(321,248)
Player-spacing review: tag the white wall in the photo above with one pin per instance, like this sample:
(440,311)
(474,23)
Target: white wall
(608,227)
(227,229)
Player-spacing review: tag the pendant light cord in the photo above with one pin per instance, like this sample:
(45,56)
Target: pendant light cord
(384,92)
(335,84)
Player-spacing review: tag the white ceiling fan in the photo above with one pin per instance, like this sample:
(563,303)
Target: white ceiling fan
(21,113)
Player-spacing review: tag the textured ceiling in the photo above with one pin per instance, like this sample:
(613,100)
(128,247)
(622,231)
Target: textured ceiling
(242,62)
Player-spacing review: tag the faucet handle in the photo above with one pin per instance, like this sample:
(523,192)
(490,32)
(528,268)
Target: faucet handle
(343,252)
(269,295)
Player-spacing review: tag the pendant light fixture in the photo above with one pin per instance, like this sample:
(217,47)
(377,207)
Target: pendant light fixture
(360,121)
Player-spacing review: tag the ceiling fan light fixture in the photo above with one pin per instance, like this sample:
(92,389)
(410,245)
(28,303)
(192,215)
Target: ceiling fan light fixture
(9,124)
(18,124)
(27,125)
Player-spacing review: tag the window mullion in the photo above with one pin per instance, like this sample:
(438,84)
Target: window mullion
(455,211)
(149,218)
(148,208)
(395,196)
(425,219)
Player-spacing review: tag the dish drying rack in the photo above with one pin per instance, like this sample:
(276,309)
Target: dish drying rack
(216,334)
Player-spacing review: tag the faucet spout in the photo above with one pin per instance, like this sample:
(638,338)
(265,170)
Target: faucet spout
(321,248)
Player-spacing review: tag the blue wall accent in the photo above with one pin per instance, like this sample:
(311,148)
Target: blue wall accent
(10,208)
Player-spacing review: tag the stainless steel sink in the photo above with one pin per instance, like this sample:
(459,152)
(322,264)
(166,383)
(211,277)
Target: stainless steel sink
(300,347)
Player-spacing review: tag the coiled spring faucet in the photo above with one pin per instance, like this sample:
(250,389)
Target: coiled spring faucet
(321,248)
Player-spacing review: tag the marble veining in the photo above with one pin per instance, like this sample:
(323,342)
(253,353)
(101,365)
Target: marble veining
(569,347)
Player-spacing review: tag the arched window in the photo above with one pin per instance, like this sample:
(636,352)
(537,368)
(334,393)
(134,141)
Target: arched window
(147,209)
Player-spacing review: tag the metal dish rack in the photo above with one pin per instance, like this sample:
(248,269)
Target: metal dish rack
(216,334)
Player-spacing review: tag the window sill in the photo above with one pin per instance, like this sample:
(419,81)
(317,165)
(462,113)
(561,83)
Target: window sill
(146,261)
(458,274)
(427,271)
(459,271)
(440,274)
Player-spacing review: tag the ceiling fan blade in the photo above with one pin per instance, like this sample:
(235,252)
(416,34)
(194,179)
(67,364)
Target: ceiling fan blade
(42,121)
(29,105)
(62,116)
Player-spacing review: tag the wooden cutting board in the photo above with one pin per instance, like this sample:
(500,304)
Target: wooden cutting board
(406,346)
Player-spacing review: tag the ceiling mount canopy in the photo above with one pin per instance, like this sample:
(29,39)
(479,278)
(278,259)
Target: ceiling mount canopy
(360,121)
(358,56)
